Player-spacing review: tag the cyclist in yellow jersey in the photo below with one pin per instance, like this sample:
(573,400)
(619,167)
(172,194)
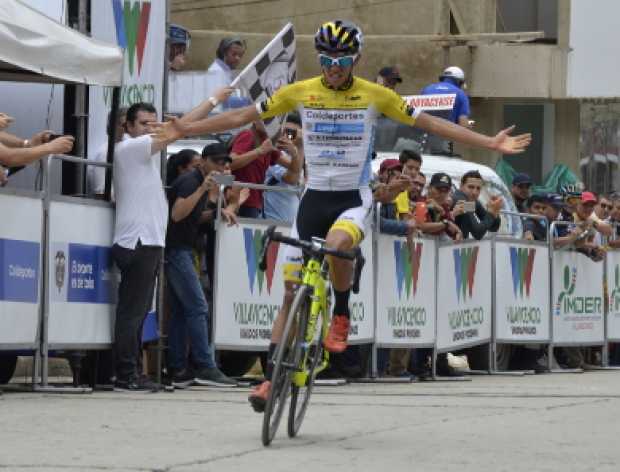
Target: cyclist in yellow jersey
(338,111)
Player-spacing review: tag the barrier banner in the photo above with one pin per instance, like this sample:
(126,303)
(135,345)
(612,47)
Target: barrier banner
(464,295)
(521,292)
(246,299)
(83,280)
(405,291)
(20,256)
(577,299)
(362,329)
(613,291)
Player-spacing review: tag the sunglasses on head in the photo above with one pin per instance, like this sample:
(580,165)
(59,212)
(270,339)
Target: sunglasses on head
(343,61)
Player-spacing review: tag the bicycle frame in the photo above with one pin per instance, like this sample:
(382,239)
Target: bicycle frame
(314,276)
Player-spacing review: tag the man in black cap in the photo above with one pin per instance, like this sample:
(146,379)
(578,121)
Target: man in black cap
(389,77)
(191,197)
(521,184)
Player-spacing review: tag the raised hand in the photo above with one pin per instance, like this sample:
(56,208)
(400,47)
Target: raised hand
(40,137)
(222,94)
(168,131)
(61,145)
(506,144)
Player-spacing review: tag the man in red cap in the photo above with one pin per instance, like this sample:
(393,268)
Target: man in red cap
(585,218)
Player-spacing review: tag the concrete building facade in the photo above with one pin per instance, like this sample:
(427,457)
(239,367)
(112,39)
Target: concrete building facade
(560,85)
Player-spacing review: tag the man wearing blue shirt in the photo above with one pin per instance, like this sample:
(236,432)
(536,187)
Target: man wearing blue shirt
(451,81)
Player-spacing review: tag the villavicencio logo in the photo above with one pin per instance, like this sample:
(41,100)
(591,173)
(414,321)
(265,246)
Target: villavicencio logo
(522,263)
(131,18)
(253,245)
(407,263)
(465,260)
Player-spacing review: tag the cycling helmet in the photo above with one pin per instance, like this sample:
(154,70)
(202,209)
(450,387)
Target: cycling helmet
(339,36)
(454,73)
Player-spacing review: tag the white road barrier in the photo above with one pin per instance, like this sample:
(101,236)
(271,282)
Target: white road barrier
(464,308)
(20,260)
(82,277)
(405,275)
(577,299)
(521,291)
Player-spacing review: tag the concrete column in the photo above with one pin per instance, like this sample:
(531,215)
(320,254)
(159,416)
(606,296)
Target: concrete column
(567,129)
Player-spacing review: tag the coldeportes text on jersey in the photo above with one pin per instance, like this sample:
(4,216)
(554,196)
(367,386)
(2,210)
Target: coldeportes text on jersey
(334,115)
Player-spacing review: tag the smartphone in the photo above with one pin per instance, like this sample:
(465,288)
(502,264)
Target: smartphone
(290,133)
(469,207)
(224,179)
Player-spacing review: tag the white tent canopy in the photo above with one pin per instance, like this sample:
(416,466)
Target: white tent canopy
(36,48)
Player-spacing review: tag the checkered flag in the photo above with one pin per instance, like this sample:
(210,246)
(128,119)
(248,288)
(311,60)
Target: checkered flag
(272,68)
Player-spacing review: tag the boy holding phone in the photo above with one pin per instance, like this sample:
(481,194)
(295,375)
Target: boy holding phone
(469,214)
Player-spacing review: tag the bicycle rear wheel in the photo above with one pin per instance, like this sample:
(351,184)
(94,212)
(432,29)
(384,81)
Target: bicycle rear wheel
(284,365)
(300,395)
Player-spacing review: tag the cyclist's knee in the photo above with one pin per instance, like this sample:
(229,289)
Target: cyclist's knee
(339,239)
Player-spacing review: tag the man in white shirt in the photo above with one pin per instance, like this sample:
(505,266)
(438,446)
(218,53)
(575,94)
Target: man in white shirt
(140,231)
(139,238)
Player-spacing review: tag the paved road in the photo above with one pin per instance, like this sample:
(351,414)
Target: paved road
(563,422)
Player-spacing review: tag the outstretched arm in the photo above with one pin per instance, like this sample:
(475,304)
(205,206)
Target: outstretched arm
(501,142)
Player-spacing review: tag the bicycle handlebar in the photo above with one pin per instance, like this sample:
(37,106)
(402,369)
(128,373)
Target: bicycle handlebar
(315,250)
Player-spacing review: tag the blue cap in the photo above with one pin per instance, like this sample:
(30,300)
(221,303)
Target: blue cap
(521,178)
(555,200)
(178,34)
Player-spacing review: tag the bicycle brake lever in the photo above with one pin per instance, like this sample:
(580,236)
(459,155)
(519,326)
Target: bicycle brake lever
(266,240)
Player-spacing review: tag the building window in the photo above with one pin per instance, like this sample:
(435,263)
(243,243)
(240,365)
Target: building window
(528,15)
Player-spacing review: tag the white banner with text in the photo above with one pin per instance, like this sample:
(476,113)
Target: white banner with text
(406,294)
(521,292)
(464,296)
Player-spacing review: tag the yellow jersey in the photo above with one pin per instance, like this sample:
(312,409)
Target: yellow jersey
(338,127)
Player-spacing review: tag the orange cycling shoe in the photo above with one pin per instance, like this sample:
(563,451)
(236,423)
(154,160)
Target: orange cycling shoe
(336,340)
(258,397)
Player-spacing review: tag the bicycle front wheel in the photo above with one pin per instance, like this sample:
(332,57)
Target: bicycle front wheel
(300,394)
(284,364)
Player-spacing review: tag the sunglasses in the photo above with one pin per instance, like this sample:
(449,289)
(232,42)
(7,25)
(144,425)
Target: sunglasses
(606,207)
(343,61)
